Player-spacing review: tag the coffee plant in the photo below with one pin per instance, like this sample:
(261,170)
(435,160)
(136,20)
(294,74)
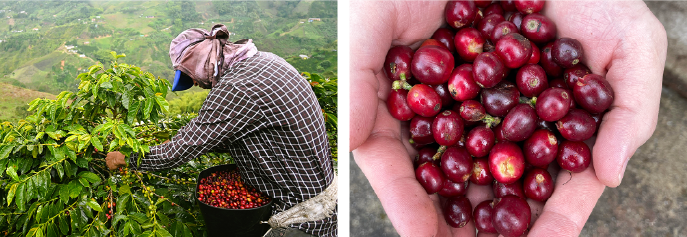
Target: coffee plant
(52,168)
(326,91)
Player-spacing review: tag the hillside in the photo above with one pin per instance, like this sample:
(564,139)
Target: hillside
(14,100)
(44,45)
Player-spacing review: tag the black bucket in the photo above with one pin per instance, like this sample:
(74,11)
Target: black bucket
(233,222)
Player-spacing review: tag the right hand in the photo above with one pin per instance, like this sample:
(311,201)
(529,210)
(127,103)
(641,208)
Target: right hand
(115,160)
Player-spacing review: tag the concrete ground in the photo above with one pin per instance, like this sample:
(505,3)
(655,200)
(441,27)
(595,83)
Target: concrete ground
(651,201)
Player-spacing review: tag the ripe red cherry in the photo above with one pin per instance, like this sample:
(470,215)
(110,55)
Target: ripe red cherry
(501,190)
(482,3)
(538,28)
(577,125)
(488,70)
(453,189)
(553,104)
(487,24)
(480,140)
(423,100)
(472,111)
(460,14)
(456,163)
(469,43)
(397,63)
(421,130)
(541,148)
(506,162)
(570,75)
(520,123)
(546,61)
(511,216)
(500,99)
(445,37)
(536,54)
(502,29)
(574,156)
(447,128)
(461,84)
(457,211)
(567,52)
(538,184)
(494,8)
(480,172)
(529,6)
(531,80)
(514,49)
(430,177)
(482,214)
(593,93)
(432,65)
(432,42)
(398,105)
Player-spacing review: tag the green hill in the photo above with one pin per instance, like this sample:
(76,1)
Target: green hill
(14,101)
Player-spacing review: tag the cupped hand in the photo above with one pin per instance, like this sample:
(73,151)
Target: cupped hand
(622,41)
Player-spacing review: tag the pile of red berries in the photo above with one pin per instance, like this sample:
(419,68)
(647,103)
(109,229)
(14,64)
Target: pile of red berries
(486,106)
(224,189)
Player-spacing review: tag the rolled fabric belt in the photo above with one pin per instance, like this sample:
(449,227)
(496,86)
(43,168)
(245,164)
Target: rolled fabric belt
(313,209)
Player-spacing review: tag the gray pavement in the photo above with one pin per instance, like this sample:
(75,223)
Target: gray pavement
(651,201)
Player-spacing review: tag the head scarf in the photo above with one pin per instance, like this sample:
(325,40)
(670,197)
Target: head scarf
(205,56)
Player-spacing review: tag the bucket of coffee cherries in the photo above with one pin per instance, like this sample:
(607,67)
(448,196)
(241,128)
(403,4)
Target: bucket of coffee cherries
(495,98)
(229,206)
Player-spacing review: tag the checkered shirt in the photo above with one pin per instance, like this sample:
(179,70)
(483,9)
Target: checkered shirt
(267,117)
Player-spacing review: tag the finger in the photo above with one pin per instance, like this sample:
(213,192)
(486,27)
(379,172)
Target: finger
(386,164)
(573,200)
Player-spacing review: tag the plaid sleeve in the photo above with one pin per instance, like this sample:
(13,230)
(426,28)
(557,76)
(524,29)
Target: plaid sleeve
(227,113)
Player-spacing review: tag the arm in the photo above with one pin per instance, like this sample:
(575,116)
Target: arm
(227,113)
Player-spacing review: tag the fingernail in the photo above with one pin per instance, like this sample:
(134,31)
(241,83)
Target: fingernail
(622,172)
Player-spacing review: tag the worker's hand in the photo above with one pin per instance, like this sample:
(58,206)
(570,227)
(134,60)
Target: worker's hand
(115,160)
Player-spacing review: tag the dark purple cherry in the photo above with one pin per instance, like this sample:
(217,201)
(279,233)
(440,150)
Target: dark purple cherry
(457,211)
(469,43)
(538,28)
(598,118)
(482,3)
(461,84)
(558,83)
(447,128)
(538,185)
(546,61)
(456,163)
(520,123)
(430,177)
(480,172)
(443,92)
(482,215)
(553,104)
(501,190)
(500,99)
(593,93)
(514,49)
(570,75)
(567,52)
(421,130)
(398,105)
(460,14)
(432,65)
(511,216)
(516,18)
(494,8)
(486,25)
(423,100)
(577,125)
(480,140)
(488,70)
(397,63)
(445,36)
(506,162)
(574,156)
(541,148)
(425,155)
(498,133)
(543,124)
(508,5)
(472,111)
(531,80)
(453,189)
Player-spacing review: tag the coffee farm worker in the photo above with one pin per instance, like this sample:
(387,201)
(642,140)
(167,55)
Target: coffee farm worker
(262,112)
(627,45)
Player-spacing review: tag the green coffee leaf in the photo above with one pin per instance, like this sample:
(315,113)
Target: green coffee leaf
(12,173)
(93,204)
